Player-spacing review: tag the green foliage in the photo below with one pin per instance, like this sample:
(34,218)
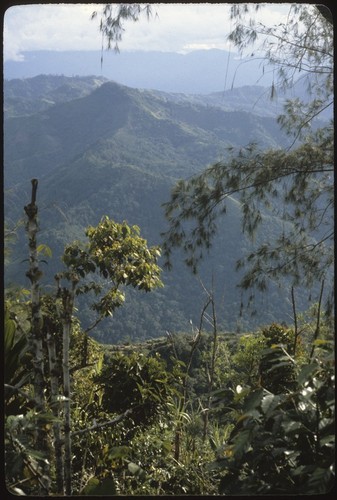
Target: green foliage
(307,324)
(17,361)
(96,487)
(246,359)
(138,424)
(277,368)
(284,443)
(118,254)
(223,369)
(278,334)
(136,382)
(259,442)
(302,250)
(15,346)
(24,463)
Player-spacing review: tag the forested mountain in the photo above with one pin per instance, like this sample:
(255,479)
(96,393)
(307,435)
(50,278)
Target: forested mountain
(100,148)
(28,96)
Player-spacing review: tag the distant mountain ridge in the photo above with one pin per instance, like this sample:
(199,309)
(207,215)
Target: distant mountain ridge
(28,96)
(197,72)
(105,149)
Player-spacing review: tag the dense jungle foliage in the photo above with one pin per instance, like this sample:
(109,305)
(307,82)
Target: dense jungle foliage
(198,414)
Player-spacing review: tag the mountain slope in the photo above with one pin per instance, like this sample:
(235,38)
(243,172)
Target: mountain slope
(117,151)
(185,132)
(29,96)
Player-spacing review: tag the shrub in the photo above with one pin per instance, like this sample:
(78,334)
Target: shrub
(136,382)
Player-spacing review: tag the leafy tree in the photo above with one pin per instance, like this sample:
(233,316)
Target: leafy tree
(295,184)
(118,255)
(277,366)
(246,360)
(138,383)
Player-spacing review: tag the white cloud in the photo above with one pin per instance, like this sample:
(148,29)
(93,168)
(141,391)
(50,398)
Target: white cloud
(177,28)
(49,27)
(69,27)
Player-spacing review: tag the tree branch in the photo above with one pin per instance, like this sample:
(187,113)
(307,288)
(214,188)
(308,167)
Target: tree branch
(16,390)
(104,424)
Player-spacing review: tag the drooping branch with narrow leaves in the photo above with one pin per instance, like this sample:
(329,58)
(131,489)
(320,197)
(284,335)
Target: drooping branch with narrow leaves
(294,184)
(113,18)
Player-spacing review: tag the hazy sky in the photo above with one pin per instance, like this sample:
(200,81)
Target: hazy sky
(177,28)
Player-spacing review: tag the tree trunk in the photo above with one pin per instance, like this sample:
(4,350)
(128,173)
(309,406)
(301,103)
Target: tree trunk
(35,337)
(212,367)
(177,437)
(68,305)
(67,409)
(318,321)
(55,405)
(34,274)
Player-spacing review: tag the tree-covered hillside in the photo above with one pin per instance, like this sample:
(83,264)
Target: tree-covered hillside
(117,151)
(27,96)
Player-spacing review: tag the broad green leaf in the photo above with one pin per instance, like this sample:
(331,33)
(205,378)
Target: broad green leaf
(9,333)
(291,426)
(242,442)
(253,399)
(136,470)
(269,403)
(91,486)
(305,372)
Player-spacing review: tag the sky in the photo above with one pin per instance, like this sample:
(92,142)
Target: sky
(173,27)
